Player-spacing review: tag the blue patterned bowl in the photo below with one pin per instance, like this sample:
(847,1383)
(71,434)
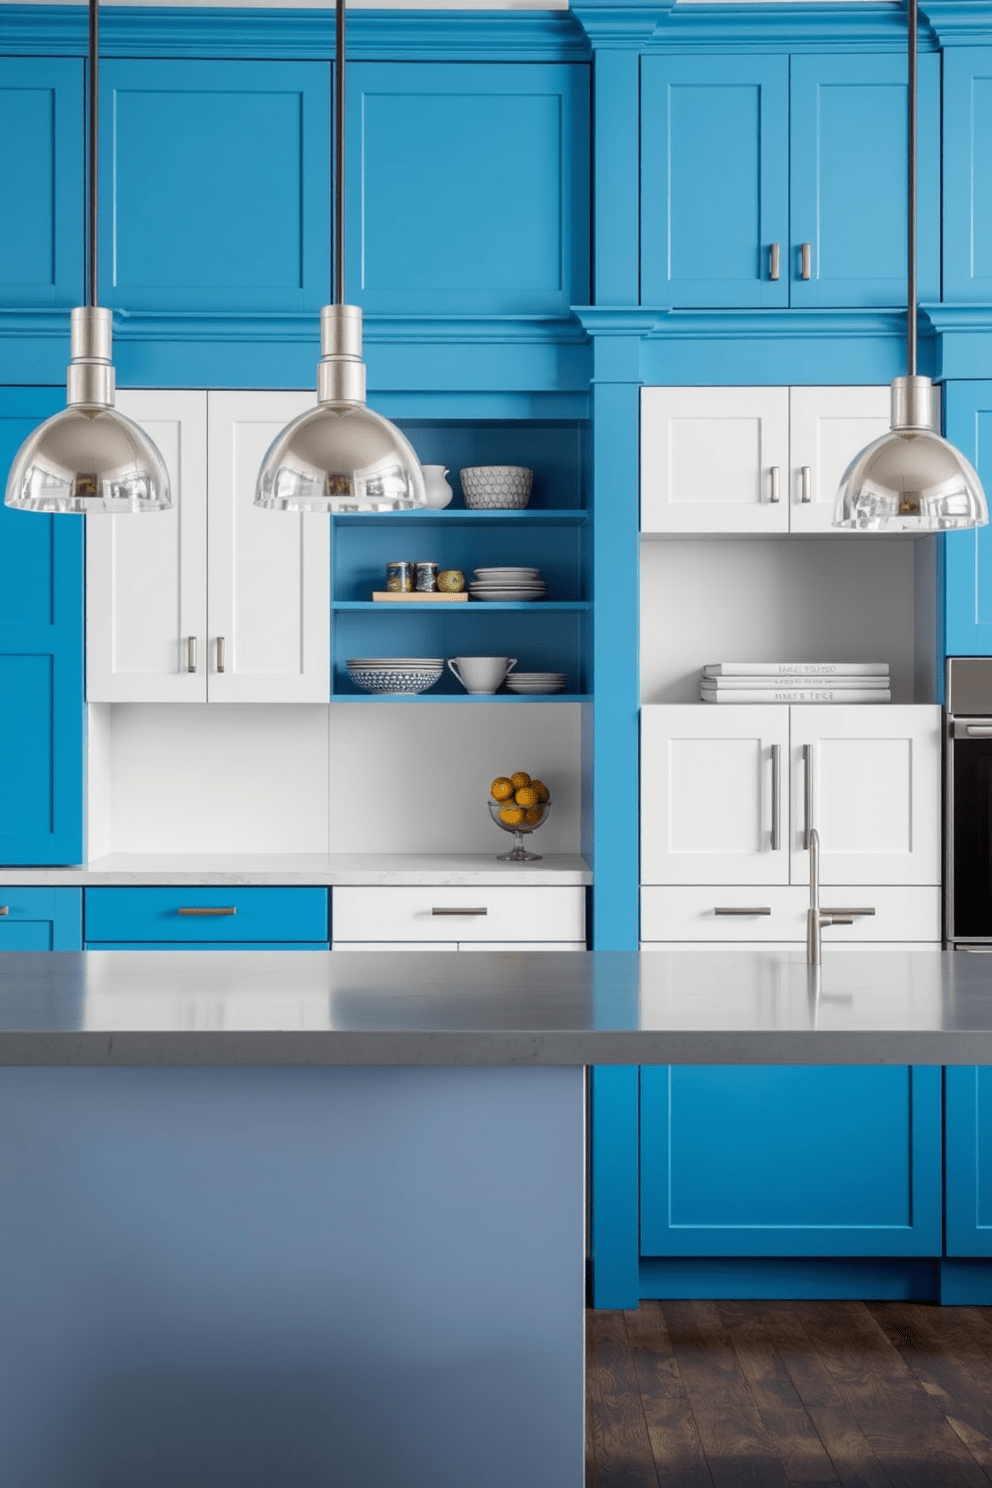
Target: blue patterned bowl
(406,683)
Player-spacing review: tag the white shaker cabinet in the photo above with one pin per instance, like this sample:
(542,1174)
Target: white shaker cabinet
(828,426)
(478,917)
(214,600)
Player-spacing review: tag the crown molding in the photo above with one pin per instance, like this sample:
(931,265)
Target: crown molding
(658,25)
(959,22)
(653,323)
(373,35)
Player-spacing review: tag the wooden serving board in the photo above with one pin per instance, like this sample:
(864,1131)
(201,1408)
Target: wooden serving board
(385,596)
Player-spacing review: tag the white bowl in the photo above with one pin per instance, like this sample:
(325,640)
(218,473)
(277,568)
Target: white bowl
(496,487)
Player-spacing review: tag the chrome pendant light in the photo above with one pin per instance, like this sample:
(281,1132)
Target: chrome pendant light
(340,456)
(910,480)
(89,457)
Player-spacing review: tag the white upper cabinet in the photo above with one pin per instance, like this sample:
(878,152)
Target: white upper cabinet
(214,600)
(716,459)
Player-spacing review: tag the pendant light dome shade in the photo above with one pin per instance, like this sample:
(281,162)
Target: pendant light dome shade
(340,457)
(88,460)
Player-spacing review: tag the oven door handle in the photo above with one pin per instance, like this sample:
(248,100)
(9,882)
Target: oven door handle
(961,729)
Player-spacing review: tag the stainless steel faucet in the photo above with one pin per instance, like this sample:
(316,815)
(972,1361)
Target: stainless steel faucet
(816,918)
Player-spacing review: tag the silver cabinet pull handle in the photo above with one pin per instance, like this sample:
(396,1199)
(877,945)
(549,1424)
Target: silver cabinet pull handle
(776,814)
(773,486)
(760,910)
(773,260)
(206,909)
(437,911)
(847,912)
(191,654)
(805,483)
(805,253)
(831,919)
(221,653)
(977,730)
(4,909)
(807,793)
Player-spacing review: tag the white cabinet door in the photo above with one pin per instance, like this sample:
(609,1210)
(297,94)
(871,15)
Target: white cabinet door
(872,779)
(714,459)
(481,913)
(713,797)
(828,427)
(146,576)
(268,571)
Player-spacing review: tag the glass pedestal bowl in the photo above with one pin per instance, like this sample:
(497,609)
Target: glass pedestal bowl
(519,820)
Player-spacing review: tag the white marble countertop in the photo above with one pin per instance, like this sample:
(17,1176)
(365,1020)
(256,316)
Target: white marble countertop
(507,1008)
(132,869)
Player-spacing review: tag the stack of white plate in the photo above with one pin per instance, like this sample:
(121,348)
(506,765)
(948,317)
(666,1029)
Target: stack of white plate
(532,682)
(507,585)
(401,676)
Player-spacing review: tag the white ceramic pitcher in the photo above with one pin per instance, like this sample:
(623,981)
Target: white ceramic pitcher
(437,489)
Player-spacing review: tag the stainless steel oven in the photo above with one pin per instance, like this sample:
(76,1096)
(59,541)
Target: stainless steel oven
(968,802)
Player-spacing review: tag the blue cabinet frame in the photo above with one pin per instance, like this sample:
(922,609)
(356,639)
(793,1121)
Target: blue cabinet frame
(968,555)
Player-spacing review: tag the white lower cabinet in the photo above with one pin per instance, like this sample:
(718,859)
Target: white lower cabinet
(730,914)
(488,918)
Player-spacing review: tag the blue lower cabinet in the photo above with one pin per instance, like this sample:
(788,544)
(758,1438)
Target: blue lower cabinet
(968,1161)
(41,919)
(790,1161)
(235,918)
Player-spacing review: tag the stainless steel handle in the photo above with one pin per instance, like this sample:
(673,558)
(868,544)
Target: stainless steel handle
(459,911)
(4,909)
(774,254)
(807,793)
(206,909)
(805,254)
(978,730)
(773,486)
(191,654)
(761,909)
(846,912)
(805,484)
(221,653)
(776,814)
(829,919)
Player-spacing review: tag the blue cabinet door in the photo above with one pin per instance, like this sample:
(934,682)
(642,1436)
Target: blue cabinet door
(714,180)
(216,180)
(968,174)
(968,555)
(234,917)
(468,188)
(848,179)
(968,1160)
(41,181)
(41,919)
(790,1161)
(41,661)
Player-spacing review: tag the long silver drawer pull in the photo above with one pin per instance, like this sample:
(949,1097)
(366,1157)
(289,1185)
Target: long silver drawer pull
(206,909)
(805,253)
(191,654)
(978,730)
(773,487)
(807,793)
(773,260)
(776,814)
(459,911)
(4,909)
(221,653)
(761,909)
(805,480)
(836,912)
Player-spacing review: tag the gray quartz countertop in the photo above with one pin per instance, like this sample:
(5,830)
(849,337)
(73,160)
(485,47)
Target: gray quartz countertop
(132,869)
(542,1008)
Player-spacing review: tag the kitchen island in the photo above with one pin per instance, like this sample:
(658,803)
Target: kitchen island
(291,1219)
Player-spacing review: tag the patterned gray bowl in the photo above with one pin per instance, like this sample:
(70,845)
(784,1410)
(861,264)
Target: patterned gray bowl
(404,683)
(492,487)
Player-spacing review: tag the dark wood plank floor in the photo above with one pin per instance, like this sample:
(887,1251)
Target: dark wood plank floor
(789,1395)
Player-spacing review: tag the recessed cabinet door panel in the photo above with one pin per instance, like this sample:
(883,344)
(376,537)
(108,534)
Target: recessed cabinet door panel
(712,789)
(848,186)
(968,1168)
(268,571)
(828,427)
(714,180)
(714,459)
(146,579)
(874,788)
(968,555)
(968,173)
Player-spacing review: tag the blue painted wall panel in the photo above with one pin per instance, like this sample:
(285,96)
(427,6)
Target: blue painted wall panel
(968,555)
(968,174)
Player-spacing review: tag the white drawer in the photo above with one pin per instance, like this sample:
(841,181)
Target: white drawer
(490,913)
(522,945)
(679,913)
(394,945)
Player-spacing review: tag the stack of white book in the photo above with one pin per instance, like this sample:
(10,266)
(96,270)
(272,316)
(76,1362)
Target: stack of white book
(796,682)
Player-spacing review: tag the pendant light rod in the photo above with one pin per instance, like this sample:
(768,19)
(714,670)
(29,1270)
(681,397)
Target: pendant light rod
(911,196)
(339,56)
(92,295)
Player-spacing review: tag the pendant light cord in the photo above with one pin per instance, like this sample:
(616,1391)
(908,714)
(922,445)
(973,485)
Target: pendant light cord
(94,184)
(911,196)
(338,152)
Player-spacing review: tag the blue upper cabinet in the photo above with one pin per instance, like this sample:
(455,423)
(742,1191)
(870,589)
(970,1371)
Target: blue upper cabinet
(41,181)
(41,662)
(848,179)
(468,188)
(968,174)
(745,155)
(215,185)
(968,555)
(714,180)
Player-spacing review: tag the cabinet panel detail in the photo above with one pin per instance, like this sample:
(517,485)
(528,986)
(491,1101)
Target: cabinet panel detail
(41,919)
(968,173)
(968,555)
(968,1169)
(828,426)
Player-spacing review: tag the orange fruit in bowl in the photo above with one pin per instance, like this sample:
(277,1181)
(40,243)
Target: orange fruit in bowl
(501,788)
(526,796)
(543,794)
(520,778)
(512,815)
(533,815)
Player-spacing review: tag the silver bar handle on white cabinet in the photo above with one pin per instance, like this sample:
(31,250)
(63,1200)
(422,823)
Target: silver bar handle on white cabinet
(805,485)
(805,260)
(191,653)
(444,911)
(847,914)
(774,255)
(773,484)
(776,811)
(221,654)
(761,909)
(807,793)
